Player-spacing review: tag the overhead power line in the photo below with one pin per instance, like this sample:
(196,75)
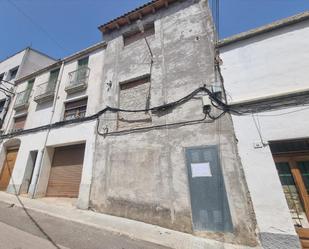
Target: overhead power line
(215,4)
(37,25)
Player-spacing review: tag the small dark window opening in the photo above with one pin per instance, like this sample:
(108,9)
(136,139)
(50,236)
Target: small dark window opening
(138,35)
(289,146)
(13,73)
(2,102)
(75,109)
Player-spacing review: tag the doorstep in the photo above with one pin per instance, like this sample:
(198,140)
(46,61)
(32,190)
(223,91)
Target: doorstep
(131,228)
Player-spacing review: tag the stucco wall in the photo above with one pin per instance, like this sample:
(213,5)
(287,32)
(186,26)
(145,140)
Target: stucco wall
(95,64)
(40,114)
(270,206)
(5,67)
(43,141)
(143,175)
(34,60)
(11,62)
(268,64)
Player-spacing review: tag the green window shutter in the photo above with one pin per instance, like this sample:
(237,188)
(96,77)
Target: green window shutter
(53,77)
(83,62)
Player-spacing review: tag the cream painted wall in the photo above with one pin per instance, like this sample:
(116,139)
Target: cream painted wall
(266,191)
(11,62)
(40,114)
(268,64)
(7,65)
(95,64)
(275,62)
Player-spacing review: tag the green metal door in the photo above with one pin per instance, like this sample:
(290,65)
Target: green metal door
(210,210)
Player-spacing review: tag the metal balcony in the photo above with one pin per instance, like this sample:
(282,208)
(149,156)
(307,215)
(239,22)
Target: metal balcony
(22,100)
(45,92)
(78,80)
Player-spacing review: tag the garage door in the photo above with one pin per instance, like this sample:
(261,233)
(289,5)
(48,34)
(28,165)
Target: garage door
(66,171)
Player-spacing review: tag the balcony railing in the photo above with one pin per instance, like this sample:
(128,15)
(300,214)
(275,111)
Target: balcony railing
(45,92)
(78,80)
(22,99)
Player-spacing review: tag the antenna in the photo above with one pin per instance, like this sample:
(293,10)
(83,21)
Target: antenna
(140,26)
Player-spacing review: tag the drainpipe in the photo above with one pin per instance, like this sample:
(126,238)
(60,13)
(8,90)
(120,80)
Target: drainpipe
(40,157)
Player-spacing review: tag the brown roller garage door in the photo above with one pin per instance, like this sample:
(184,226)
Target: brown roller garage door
(66,171)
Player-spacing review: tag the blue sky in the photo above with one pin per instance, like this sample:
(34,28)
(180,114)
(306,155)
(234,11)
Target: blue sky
(62,27)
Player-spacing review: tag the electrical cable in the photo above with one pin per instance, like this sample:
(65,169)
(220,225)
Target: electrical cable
(154,127)
(111,109)
(41,28)
(5,86)
(216,102)
(1,90)
(5,90)
(282,114)
(217,117)
(8,82)
(258,128)
(32,219)
(218,19)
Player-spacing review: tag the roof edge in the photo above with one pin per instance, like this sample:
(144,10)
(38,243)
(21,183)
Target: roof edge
(12,55)
(64,60)
(131,16)
(264,29)
(42,53)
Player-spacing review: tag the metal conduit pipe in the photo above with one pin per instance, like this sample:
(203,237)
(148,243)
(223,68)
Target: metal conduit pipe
(38,173)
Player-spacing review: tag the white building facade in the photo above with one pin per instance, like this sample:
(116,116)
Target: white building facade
(18,65)
(265,74)
(63,91)
(119,127)
(122,127)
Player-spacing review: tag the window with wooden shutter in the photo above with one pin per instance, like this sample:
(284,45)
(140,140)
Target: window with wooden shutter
(19,123)
(292,162)
(75,109)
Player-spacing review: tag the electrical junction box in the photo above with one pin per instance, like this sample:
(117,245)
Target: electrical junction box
(206,100)
(257,145)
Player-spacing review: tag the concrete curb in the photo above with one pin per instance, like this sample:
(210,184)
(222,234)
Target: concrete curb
(134,229)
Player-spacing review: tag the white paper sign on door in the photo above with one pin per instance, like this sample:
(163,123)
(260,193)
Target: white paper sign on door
(200,170)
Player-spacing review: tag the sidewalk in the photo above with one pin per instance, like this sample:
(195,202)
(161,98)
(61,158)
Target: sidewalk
(133,229)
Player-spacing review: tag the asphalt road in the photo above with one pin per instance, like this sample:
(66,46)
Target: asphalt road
(20,229)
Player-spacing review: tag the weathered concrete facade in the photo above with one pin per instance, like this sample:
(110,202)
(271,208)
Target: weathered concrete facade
(142,174)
